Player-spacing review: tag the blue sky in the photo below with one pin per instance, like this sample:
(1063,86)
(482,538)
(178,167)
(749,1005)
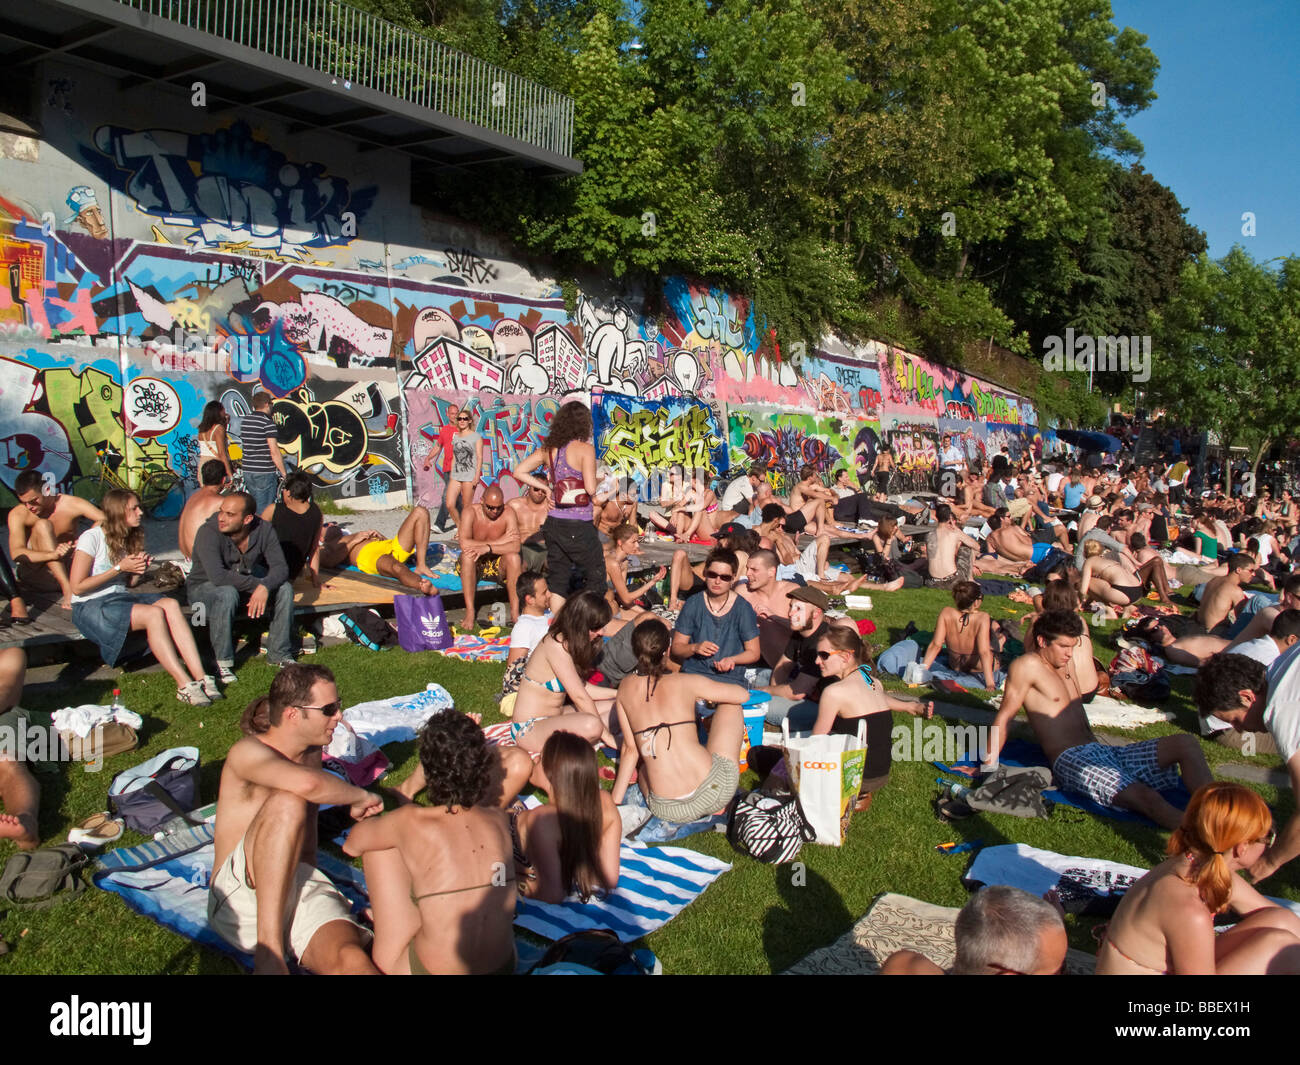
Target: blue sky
(1224,133)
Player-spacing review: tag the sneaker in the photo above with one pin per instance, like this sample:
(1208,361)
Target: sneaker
(192,693)
(210,688)
(226,675)
(308,643)
(281,664)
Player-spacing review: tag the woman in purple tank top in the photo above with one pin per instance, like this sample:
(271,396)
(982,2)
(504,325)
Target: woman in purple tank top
(574,559)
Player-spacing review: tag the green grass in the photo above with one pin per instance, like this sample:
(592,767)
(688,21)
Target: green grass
(754,919)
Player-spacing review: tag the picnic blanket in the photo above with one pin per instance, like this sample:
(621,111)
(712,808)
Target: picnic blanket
(470,648)
(1074,879)
(655,884)
(899,922)
(1024,753)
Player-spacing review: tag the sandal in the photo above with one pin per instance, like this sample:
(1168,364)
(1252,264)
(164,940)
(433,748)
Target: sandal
(96,831)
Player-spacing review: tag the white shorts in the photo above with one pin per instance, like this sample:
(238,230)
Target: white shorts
(232,905)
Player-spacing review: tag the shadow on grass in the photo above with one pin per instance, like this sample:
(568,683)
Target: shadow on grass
(813,914)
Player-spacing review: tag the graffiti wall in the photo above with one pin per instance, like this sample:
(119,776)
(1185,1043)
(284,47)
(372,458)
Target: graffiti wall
(635,437)
(785,443)
(159,257)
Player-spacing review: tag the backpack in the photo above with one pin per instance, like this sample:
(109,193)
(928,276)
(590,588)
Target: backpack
(36,880)
(769,828)
(366,627)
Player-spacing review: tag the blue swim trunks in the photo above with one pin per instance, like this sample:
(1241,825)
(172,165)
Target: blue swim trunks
(1040,551)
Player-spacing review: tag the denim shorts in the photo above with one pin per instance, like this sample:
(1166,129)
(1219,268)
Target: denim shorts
(106,621)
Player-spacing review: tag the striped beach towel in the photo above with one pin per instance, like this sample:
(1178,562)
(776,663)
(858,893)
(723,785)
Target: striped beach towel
(655,884)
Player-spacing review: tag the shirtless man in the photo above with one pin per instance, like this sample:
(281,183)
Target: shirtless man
(968,502)
(809,489)
(530,511)
(775,528)
(267,897)
(43,530)
(618,509)
(625,542)
(1130,777)
(202,504)
(770,599)
(1013,544)
(372,554)
(949,551)
(1223,596)
(489,539)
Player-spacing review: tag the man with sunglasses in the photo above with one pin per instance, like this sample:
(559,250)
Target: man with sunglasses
(489,550)
(530,510)
(267,897)
(717,632)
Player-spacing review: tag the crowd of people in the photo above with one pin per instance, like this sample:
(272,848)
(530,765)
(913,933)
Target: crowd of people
(608,652)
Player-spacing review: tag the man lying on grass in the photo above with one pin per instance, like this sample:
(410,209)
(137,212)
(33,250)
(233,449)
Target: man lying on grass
(267,897)
(1130,777)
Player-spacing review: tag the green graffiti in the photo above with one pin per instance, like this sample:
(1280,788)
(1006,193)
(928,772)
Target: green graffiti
(89,407)
(641,441)
(990,407)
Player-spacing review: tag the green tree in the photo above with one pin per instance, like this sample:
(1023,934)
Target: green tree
(1227,351)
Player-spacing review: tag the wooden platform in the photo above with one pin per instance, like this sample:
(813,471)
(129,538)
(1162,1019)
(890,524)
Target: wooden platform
(53,625)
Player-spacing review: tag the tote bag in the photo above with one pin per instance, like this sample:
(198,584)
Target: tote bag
(825,772)
(422,623)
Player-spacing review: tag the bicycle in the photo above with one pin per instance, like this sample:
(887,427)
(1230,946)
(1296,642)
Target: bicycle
(155,485)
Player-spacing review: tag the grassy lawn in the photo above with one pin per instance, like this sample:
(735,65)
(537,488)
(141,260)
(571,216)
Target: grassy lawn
(754,919)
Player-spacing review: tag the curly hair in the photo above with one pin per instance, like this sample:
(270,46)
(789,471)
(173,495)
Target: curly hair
(455,757)
(572,422)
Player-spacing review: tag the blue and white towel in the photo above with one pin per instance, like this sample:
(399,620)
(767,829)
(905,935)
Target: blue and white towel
(655,884)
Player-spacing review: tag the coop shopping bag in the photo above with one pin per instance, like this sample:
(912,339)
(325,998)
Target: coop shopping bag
(825,772)
(422,623)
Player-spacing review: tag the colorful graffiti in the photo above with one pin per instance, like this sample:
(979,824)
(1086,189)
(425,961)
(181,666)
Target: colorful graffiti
(512,427)
(637,437)
(915,446)
(233,190)
(785,443)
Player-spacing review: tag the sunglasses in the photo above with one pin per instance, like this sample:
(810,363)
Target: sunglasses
(464,420)
(1268,840)
(494,510)
(823,655)
(328,710)
(714,575)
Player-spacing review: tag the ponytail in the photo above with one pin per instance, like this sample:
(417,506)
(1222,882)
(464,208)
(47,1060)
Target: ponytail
(256,718)
(1220,816)
(649,643)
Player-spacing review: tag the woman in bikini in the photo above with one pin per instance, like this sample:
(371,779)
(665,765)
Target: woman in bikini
(963,634)
(701,514)
(442,878)
(854,696)
(570,844)
(213,443)
(554,695)
(1165,922)
(682,781)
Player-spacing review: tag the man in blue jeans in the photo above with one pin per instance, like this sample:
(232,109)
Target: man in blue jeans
(237,558)
(262,463)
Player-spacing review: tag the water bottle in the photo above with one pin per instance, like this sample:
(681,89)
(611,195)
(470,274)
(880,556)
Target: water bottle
(117,702)
(954,789)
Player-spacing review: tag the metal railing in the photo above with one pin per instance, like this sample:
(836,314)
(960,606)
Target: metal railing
(357,48)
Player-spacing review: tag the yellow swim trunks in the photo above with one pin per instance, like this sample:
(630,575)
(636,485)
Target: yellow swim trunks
(371,553)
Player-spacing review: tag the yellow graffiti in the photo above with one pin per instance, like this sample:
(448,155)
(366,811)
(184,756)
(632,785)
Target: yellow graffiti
(650,439)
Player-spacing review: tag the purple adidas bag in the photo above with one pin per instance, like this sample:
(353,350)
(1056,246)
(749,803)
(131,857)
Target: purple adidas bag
(422,623)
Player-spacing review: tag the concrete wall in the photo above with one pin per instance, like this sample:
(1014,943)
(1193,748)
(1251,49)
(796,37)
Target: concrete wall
(159,256)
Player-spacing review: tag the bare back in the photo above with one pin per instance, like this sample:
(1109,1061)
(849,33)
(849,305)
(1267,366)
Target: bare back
(198,508)
(661,714)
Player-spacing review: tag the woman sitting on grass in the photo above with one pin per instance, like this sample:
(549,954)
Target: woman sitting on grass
(554,695)
(441,877)
(682,781)
(1165,922)
(964,634)
(855,696)
(570,844)
(109,560)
